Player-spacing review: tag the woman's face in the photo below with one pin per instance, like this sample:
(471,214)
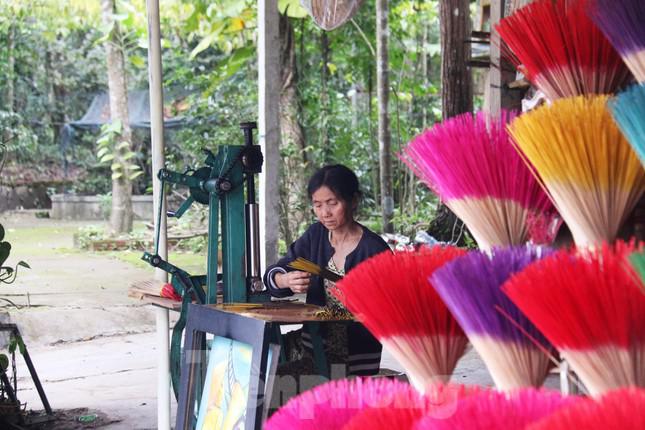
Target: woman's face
(330,210)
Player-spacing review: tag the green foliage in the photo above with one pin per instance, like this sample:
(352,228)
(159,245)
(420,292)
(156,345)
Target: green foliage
(197,244)
(16,342)
(292,8)
(410,222)
(4,362)
(105,203)
(116,152)
(21,141)
(88,234)
(209,57)
(7,273)
(347,117)
(56,70)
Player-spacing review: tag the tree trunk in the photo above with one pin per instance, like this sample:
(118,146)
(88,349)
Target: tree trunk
(324,96)
(294,169)
(382,95)
(121,215)
(456,78)
(56,94)
(11,65)
(456,92)
(373,152)
(425,72)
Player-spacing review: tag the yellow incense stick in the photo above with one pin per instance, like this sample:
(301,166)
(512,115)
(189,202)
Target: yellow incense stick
(588,168)
(307,266)
(576,140)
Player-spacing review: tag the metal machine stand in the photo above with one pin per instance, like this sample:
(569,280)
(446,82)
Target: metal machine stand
(220,184)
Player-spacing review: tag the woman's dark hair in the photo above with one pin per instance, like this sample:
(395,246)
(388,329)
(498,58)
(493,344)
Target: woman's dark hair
(339,179)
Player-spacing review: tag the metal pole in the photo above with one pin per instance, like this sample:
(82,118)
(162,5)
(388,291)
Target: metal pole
(163,369)
(158,161)
(252,218)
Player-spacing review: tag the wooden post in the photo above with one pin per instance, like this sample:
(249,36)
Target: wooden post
(269,127)
(501,72)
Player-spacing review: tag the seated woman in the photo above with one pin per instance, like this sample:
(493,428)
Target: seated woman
(338,243)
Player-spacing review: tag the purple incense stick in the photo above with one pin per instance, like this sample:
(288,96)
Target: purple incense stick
(471,285)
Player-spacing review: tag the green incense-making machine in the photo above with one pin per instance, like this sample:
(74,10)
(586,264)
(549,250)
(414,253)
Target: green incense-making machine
(221,184)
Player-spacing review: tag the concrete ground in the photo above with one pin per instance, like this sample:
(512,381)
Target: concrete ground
(92,346)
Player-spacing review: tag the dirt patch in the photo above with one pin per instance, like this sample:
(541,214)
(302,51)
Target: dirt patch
(71,419)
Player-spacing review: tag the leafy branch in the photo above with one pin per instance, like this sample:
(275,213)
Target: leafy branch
(117,153)
(7,274)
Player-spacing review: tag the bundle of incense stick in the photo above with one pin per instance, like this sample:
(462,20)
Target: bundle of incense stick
(408,407)
(628,109)
(470,162)
(390,294)
(332,405)
(622,409)
(622,21)
(560,50)
(305,265)
(591,307)
(495,410)
(591,173)
(514,351)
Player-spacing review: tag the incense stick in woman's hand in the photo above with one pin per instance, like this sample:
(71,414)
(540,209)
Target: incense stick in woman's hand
(307,266)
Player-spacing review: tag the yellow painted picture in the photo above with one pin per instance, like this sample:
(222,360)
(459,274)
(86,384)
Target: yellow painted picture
(226,388)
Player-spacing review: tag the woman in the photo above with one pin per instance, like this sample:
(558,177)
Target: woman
(339,243)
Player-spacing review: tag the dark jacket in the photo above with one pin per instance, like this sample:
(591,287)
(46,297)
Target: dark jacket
(314,245)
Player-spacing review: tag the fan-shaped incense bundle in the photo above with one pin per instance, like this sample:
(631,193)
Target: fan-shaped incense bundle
(561,51)
(622,409)
(471,163)
(391,296)
(504,338)
(310,267)
(440,401)
(493,410)
(591,307)
(591,173)
(330,406)
(623,22)
(628,110)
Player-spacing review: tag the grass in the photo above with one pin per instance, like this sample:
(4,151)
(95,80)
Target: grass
(195,264)
(40,240)
(43,240)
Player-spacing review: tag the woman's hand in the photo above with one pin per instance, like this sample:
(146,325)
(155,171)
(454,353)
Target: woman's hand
(297,281)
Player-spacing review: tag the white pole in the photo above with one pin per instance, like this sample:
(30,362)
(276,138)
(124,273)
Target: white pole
(163,369)
(158,161)
(269,126)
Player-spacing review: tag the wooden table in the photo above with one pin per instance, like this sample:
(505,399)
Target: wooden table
(277,313)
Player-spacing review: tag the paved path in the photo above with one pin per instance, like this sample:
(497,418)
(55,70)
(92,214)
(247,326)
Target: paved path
(92,346)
